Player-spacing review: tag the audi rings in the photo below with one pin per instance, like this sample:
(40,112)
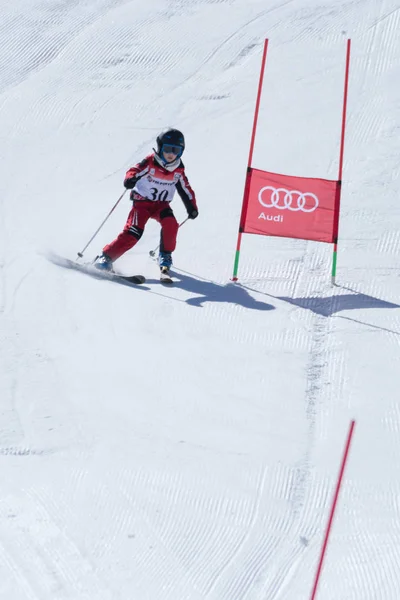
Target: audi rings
(284,199)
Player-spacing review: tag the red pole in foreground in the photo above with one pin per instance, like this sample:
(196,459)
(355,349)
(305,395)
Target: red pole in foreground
(332,513)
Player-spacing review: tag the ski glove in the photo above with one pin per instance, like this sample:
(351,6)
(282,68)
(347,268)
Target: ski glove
(130,182)
(193,213)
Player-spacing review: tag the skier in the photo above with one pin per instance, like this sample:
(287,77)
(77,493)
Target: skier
(153,182)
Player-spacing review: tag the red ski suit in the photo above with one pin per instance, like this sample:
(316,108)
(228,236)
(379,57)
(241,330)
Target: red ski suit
(153,191)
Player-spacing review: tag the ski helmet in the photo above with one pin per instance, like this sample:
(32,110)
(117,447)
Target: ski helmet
(170,140)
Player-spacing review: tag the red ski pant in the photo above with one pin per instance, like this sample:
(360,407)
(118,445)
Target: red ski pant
(141,212)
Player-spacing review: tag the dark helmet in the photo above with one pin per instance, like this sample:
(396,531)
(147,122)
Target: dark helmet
(173,138)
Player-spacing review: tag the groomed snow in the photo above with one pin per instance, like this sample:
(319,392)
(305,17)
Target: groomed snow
(183,443)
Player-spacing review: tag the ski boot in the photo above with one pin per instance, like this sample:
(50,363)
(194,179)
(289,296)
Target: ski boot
(104,263)
(165,262)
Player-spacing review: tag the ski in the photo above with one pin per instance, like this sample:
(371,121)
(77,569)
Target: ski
(137,279)
(166,279)
(91,270)
(165,276)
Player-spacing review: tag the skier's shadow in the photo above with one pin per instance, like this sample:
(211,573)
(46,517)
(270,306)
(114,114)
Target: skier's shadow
(208,291)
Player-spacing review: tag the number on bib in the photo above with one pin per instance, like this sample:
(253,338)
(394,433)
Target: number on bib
(156,195)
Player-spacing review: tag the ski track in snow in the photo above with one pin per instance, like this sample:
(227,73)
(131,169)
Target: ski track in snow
(219,488)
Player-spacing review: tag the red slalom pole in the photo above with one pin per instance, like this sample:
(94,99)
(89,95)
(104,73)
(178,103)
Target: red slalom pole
(337,206)
(344,112)
(249,161)
(332,513)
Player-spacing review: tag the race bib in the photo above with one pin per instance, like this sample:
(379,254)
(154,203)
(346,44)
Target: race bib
(156,189)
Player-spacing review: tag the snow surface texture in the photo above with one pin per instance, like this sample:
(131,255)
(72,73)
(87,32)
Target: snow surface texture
(184,443)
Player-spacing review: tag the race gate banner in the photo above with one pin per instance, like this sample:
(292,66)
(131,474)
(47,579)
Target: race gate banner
(293,207)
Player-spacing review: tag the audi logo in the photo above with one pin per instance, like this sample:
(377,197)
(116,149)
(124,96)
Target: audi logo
(284,199)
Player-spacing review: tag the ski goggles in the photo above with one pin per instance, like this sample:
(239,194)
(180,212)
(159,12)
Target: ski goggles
(171,149)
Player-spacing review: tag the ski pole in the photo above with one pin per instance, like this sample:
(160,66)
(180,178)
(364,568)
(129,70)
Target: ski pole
(153,252)
(80,254)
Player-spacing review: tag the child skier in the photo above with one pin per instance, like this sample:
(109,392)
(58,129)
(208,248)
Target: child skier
(153,182)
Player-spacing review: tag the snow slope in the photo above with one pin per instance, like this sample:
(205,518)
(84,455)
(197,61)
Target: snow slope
(184,443)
